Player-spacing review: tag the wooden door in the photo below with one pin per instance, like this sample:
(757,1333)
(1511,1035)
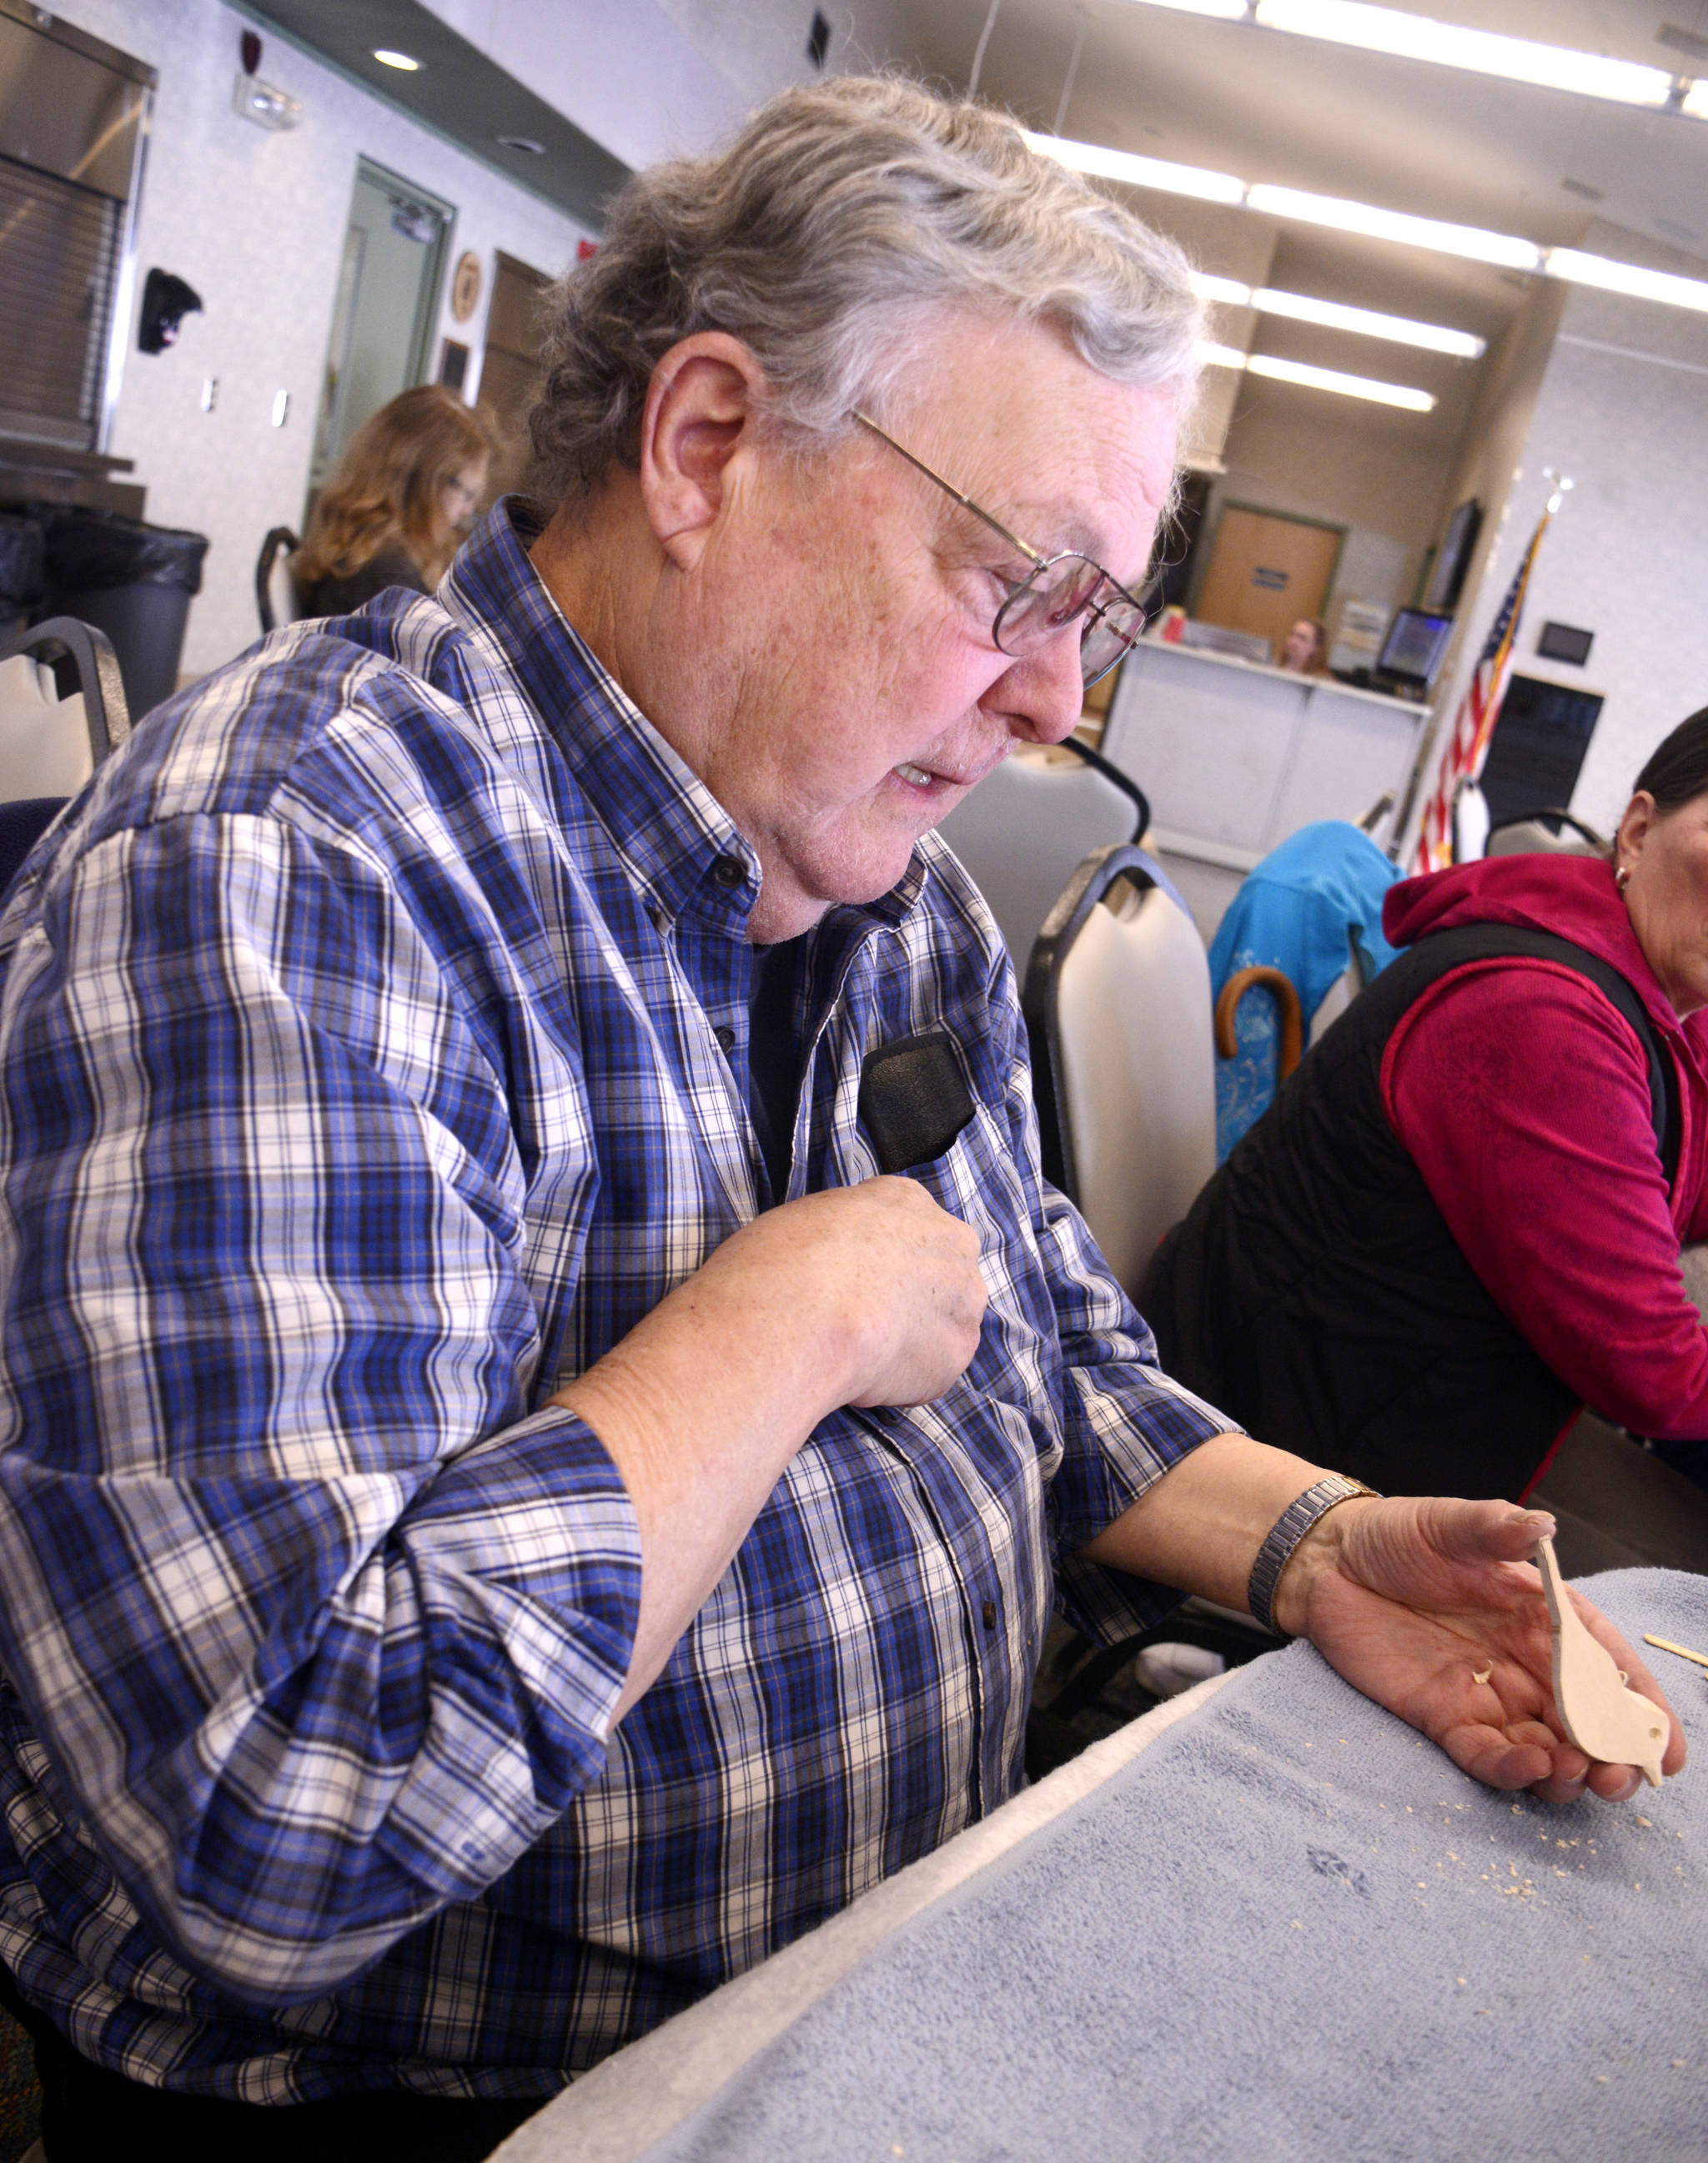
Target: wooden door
(1265,573)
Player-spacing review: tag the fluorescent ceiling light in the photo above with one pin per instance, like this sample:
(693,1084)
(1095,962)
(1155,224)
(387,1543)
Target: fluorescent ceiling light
(1318,378)
(1483,52)
(406,63)
(1433,337)
(1505,248)
(1229,291)
(1348,386)
(1696,100)
(1140,172)
(1335,315)
(1468,240)
(1627,278)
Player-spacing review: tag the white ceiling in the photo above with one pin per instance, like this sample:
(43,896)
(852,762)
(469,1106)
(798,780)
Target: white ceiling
(1402,133)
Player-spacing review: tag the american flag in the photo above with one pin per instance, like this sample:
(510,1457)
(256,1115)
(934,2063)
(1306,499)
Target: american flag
(1479,709)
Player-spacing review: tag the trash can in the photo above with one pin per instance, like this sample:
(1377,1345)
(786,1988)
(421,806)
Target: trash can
(132,581)
(23,570)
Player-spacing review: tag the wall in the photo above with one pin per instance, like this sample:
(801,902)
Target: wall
(651,78)
(256,223)
(1488,461)
(1229,243)
(1622,408)
(1309,454)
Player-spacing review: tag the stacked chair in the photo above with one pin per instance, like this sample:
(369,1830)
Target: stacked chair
(275,589)
(52,740)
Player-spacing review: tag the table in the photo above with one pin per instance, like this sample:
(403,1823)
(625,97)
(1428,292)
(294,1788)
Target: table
(1266,1924)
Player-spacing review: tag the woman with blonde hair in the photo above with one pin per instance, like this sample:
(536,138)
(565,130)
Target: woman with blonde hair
(395,509)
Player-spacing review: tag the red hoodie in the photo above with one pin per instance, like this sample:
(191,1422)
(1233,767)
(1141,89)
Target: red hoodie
(1521,1095)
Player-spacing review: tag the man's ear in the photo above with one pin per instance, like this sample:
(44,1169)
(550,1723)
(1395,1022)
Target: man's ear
(702,406)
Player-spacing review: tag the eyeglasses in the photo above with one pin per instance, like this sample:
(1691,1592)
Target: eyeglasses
(1058,590)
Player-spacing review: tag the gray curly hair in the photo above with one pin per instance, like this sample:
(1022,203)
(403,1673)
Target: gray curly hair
(843,211)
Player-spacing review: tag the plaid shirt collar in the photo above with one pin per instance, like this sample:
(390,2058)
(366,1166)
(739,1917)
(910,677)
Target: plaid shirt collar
(676,837)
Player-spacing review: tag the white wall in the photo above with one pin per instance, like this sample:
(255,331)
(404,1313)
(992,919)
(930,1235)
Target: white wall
(651,78)
(1622,409)
(256,223)
(1491,456)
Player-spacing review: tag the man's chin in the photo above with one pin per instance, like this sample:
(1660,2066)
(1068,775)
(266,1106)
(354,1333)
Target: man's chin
(796,900)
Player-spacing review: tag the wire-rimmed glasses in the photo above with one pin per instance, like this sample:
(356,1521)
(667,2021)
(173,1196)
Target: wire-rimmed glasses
(1057,591)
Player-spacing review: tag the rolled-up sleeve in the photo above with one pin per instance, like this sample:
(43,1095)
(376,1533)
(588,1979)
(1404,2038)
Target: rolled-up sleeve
(321,1622)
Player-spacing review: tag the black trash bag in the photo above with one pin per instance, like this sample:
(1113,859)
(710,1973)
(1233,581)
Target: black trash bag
(22,563)
(92,552)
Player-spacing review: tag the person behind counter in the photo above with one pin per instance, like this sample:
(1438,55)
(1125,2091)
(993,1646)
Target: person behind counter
(398,503)
(1462,1215)
(1304,645)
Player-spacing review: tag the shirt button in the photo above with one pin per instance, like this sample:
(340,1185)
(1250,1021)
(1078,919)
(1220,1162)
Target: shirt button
(726,1039)
(728,873)
(989,1613)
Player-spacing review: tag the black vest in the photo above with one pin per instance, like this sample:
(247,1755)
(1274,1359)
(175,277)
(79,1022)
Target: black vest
(1315,1293)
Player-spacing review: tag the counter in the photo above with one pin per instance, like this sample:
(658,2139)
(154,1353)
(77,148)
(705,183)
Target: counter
(1234,757)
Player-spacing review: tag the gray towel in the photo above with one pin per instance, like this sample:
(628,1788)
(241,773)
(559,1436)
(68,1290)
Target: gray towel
(1252,1947)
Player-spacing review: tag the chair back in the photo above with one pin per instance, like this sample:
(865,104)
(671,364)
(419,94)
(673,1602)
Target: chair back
(275,589)
(1551,832)
(1025,829)
(48,745)
(1117,1002)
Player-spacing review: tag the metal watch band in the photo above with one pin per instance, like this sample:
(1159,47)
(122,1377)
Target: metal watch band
(1285,1534)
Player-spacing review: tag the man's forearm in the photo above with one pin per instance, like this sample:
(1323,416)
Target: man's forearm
(1200,1526)
(862,1295)
(700,1415)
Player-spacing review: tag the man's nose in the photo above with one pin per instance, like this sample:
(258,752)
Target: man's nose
(1042,695)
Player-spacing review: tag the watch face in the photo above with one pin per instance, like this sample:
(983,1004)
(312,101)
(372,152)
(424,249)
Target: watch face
(465,286)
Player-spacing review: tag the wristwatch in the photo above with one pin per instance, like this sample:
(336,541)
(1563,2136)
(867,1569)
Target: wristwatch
(1285,1534)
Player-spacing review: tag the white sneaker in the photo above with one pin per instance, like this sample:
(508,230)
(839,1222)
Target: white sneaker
(1166,1670)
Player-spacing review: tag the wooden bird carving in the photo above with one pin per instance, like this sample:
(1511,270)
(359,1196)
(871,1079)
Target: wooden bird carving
(1599,1714)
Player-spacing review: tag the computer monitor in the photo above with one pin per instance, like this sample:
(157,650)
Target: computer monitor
(1447,575)
(1413,651)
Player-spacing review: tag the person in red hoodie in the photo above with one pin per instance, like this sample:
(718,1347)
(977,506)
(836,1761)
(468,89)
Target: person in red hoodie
(1462,1216)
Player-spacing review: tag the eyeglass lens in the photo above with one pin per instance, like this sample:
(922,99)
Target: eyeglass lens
(1056,594)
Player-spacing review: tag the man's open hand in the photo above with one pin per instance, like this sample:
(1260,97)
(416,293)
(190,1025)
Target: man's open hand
(1428,1607)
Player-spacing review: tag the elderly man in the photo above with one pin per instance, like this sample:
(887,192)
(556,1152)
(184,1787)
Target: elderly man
(504,1519)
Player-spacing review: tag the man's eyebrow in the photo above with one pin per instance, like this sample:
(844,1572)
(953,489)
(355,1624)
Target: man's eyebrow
(1056,527)
(1053,529)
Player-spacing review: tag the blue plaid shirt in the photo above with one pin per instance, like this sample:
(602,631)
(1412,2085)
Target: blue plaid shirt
(360,1082)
